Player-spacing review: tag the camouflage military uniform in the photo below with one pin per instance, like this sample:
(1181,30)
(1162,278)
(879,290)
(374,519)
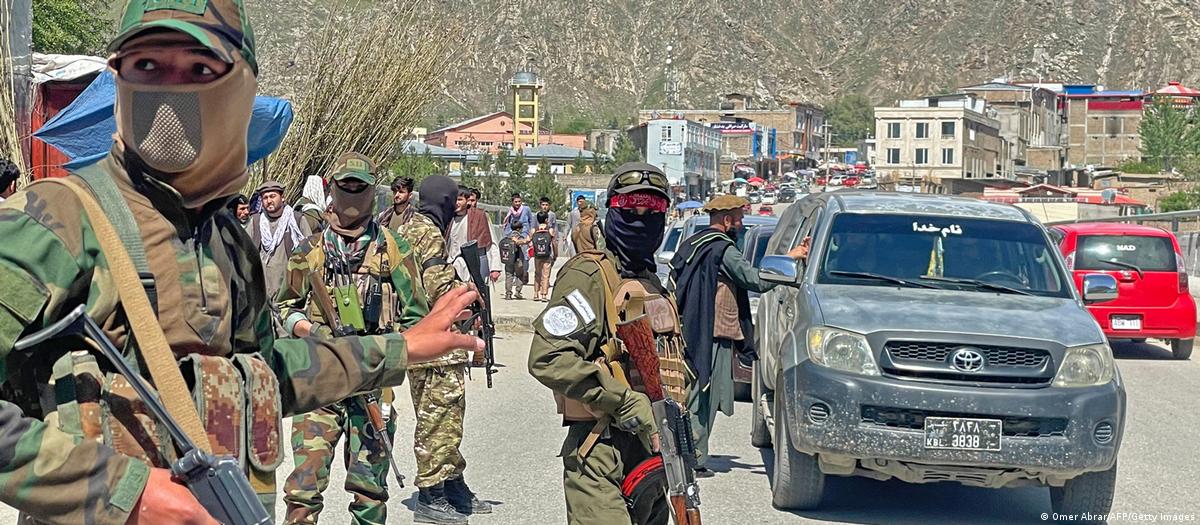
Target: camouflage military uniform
(437,387)
(315,435)
(79,459)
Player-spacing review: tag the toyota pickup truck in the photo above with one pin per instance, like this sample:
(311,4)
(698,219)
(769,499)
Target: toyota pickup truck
(932,338)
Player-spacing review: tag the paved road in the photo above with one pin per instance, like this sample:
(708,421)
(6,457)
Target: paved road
(513,436)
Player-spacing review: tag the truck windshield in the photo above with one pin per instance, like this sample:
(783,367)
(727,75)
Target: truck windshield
(981,255)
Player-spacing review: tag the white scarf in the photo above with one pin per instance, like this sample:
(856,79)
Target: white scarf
(272,240)
(314,191)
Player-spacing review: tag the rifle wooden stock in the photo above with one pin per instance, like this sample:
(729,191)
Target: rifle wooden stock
(638,337)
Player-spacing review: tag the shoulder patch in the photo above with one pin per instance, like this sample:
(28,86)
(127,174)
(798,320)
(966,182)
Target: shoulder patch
(581,306)
(560,321)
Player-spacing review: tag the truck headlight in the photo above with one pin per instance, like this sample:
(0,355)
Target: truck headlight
(841,350)
(1086,366)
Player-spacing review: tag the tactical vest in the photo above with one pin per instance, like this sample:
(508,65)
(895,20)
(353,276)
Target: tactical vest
(236,395)
(371,280)
(624,300)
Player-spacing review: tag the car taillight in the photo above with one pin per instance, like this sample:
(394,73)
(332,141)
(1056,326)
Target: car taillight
(1070,259)
(1183,275)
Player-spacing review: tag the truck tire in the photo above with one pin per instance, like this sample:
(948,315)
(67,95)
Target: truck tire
(1181,349)
(798,483)
(1090,493)
(760,434)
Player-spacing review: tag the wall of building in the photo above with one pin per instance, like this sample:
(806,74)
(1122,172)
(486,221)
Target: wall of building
(491,135)
(1101,137)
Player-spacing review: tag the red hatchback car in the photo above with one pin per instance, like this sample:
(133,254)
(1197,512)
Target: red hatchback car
(1153,299)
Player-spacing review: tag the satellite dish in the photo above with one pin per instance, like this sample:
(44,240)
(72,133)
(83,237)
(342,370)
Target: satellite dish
(1108,196)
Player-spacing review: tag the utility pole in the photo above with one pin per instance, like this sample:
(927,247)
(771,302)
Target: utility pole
(825,127)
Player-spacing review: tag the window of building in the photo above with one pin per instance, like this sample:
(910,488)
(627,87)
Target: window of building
(666,132)
(922,155)
(971,132)
(948,130)
(893,130)
(922,130)
(893,155)
(947,155)
(1112,126)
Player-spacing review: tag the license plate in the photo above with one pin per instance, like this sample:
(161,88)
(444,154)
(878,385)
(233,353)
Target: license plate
(959,433)
(1126,322)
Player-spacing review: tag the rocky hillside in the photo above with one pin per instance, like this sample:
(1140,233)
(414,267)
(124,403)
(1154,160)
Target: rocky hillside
(606,57)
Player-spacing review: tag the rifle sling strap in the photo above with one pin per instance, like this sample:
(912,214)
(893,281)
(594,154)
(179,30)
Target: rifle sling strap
(611,348)
(151,341)
(119,214)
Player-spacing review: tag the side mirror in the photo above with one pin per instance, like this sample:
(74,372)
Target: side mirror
(664,257)
(1099,288)
(779,269)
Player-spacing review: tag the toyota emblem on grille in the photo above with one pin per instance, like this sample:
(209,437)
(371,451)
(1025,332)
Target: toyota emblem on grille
(967,359)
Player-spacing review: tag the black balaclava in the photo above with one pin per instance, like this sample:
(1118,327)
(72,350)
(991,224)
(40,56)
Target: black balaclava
(633,238)
(438,195)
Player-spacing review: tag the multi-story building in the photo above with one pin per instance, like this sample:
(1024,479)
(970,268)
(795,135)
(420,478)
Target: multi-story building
(493,132)
(750,135)
(1029,120)
(687,151)
(932,142)
(809,136)
(1102,125)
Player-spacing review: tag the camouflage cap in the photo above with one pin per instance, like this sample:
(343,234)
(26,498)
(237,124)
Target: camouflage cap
(220,25)
(635,176)
(353,165)
(725,203)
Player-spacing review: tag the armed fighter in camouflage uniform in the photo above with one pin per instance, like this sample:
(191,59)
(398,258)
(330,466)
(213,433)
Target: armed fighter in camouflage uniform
(438,391)
(78,445)
(373,292)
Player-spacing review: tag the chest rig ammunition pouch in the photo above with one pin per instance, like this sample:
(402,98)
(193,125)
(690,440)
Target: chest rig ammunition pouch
(228,405)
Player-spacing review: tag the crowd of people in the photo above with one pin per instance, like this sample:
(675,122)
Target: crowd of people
(247,310)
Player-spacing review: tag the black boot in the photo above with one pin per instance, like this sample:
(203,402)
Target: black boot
(433,507)
(463,499)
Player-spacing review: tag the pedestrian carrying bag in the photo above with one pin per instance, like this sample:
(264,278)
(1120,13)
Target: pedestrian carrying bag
(508,250)
(543,245)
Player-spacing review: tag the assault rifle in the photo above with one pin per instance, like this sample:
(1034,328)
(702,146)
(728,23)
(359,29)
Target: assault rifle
(324,301)
(482,309)
(676,446)
(218,482)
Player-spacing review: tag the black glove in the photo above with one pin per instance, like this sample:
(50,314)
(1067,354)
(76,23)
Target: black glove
(635,416)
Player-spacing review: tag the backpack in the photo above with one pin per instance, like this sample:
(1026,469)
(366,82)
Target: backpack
(508,250)
(543,245)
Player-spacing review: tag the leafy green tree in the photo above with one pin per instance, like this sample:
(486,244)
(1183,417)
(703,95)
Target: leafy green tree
(576,124)
(851,118)
(417,166)
(1179,201)
(518,168)
(73,27)
(1168,134)
(624,151)
(580,165)
(545,185)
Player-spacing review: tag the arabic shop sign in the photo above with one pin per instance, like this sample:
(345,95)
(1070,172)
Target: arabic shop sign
(733,128)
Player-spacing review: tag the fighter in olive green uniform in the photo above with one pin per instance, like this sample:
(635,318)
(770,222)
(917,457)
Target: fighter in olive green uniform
(573,332)
(77,446)
(354,255)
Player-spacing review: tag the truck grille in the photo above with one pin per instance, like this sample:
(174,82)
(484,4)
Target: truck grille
(995,355)
(1014,426)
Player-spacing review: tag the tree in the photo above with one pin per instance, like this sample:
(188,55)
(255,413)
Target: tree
(1179,201)
(416,166)
(518,168)
(544,185)
(851,119)
(624,151)
(73,27)
(580,165)
(1168,134)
